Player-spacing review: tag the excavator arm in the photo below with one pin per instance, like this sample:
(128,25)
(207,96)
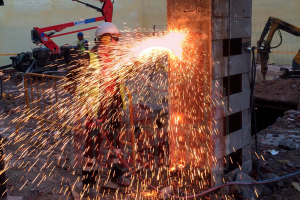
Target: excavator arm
(264,46)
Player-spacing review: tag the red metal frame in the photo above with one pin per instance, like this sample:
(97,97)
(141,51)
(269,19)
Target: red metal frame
(48,42)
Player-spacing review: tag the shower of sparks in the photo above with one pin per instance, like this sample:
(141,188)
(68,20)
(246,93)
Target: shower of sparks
(141,63)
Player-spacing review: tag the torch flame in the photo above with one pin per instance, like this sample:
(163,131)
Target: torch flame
(171,42)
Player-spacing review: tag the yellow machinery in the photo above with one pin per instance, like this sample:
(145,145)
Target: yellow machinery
(264,46)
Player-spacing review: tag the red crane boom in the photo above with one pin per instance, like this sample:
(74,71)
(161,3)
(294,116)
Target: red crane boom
(42,35)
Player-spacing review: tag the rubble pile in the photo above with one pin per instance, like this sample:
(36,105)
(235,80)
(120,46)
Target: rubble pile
(290,120)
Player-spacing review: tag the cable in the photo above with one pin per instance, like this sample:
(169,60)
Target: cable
(228,71)
(252,105)
(244,183)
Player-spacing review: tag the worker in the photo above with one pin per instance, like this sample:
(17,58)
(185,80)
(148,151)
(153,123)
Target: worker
(82,44)
(106,121)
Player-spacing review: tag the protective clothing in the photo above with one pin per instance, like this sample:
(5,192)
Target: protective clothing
(112,128)
(81,45)
(109,119)
(108,116)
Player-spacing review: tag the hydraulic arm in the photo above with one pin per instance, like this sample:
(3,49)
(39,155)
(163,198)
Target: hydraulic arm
(264,46)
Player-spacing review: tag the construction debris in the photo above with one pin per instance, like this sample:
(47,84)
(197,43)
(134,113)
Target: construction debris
(296,186)
(273,152)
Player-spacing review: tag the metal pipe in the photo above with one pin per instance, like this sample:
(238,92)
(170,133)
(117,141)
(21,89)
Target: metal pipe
(44,75)
(30,67)
(49,96)
(32,96)
(44,101)
(55,72)
(31,90)
(132,138)
(252,106)
(56,98)
(3,190)
(38,95)
(26,91)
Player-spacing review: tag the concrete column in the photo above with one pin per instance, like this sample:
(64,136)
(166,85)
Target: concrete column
(231,22)
(189,85)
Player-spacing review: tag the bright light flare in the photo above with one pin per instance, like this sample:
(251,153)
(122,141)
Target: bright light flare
(171,42)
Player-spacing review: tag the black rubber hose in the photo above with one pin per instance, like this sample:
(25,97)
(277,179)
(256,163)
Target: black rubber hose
(280,40)
(242,183)
(252,107)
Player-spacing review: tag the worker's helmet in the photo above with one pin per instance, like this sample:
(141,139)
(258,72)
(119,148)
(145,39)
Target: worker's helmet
(107,28)
(80,34)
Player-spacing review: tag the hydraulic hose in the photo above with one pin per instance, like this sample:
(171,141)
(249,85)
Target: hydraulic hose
(252,105)
(243,183)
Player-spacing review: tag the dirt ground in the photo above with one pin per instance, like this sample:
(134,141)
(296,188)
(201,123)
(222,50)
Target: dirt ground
(282,90)
(32,178)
